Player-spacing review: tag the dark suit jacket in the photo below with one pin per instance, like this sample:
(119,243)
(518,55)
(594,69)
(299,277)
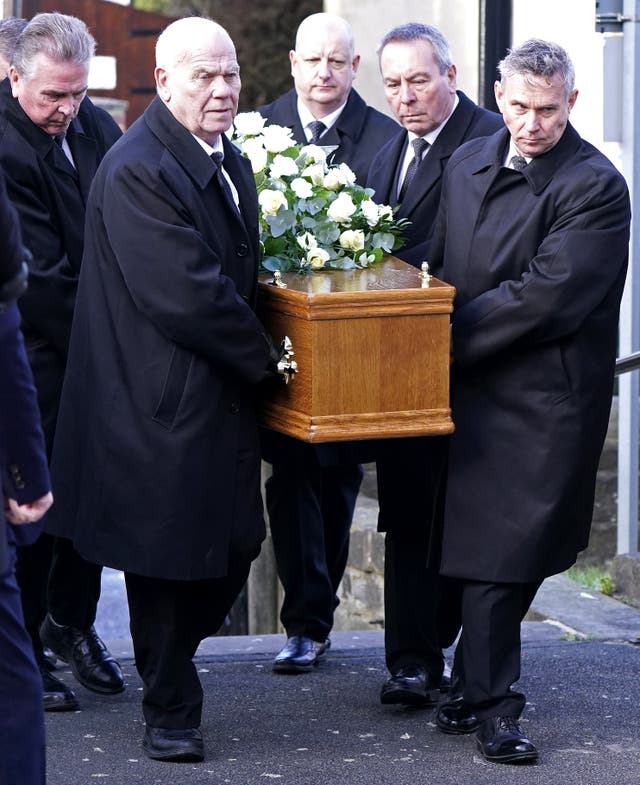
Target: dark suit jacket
(23,465)
(50,197)
(538,260)
(423,195)
(359,132)
(156,461)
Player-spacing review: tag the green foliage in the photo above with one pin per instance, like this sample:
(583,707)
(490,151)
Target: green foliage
(155,6)
(263,33)
(591,577)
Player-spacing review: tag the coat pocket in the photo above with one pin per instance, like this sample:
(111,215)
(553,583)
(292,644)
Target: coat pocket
(173,388)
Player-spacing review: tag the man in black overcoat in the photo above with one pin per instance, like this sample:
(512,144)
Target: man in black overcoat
(533,232)
(422,612)
(157,454)
(51,141)
(312,491)
(24,497)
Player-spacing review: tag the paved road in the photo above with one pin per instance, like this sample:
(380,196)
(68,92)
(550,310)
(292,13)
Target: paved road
(581,674)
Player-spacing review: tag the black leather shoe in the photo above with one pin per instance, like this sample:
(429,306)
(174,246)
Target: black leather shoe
(300,654)
(410,685)
(90,661)
(182,745)
(501,740)
(455,717)
(57,696)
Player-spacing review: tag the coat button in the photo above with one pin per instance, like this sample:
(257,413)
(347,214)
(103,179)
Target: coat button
(16,476)
(234,408)
(242,249)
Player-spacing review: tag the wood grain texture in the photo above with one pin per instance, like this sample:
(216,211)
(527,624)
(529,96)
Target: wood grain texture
(372,348)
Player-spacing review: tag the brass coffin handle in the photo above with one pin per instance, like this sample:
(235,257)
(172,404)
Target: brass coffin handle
(287,367)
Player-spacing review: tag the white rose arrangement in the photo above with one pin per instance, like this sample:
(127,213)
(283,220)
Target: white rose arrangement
(313,216)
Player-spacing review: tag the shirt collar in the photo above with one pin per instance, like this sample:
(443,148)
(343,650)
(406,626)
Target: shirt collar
(306,117)
(209,150)
(433,135)
(511,151)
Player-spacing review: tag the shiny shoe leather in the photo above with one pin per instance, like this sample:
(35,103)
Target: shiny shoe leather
(57,696)
(300,654)
(182,745)
(411,686)
(90,661)
(501,740)
(455,717)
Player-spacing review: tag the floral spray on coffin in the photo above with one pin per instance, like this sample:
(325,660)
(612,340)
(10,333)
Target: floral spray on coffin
(313,216)
(370,333)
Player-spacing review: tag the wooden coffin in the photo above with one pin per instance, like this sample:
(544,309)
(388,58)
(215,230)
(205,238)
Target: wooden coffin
(372,348)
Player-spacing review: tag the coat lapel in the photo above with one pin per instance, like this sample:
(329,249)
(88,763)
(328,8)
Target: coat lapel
(383,179)
(85,156)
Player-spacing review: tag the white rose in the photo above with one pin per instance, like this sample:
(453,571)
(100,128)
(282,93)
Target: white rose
(249,123)
(385,211)
(332,180)
(341,209)
(347,175)
(317,257)
(370,211)
(306,241)
(283,166)
(271,201)
(315,173)
(302,188)
(276,138)
(256,153)
(352,239)
(311,152)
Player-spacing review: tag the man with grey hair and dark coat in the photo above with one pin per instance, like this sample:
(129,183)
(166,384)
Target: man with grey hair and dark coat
(52,139)
(157,456)
(422,610)
(533,232)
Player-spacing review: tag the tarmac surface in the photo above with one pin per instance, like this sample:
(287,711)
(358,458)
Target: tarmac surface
(580,672)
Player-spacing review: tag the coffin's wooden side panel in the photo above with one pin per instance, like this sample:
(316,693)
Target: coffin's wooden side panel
(373,362)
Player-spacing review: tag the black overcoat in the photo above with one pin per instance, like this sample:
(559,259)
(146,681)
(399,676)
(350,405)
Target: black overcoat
(24,475)
(156,459)
(50,196)
(420,205)
(359,132)
(538,260)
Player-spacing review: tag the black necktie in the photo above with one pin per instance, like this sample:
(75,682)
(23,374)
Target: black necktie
(518,163)
(317,128)
(59,139)
(218,158)
(419,146)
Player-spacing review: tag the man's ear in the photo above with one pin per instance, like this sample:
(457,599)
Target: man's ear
(14,79)
(161,83)
(499,93)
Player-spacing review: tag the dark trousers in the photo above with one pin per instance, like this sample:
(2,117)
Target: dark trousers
(54,578)
(168,621)
(310,510)
(22,741)
(422,609)
(487,659)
